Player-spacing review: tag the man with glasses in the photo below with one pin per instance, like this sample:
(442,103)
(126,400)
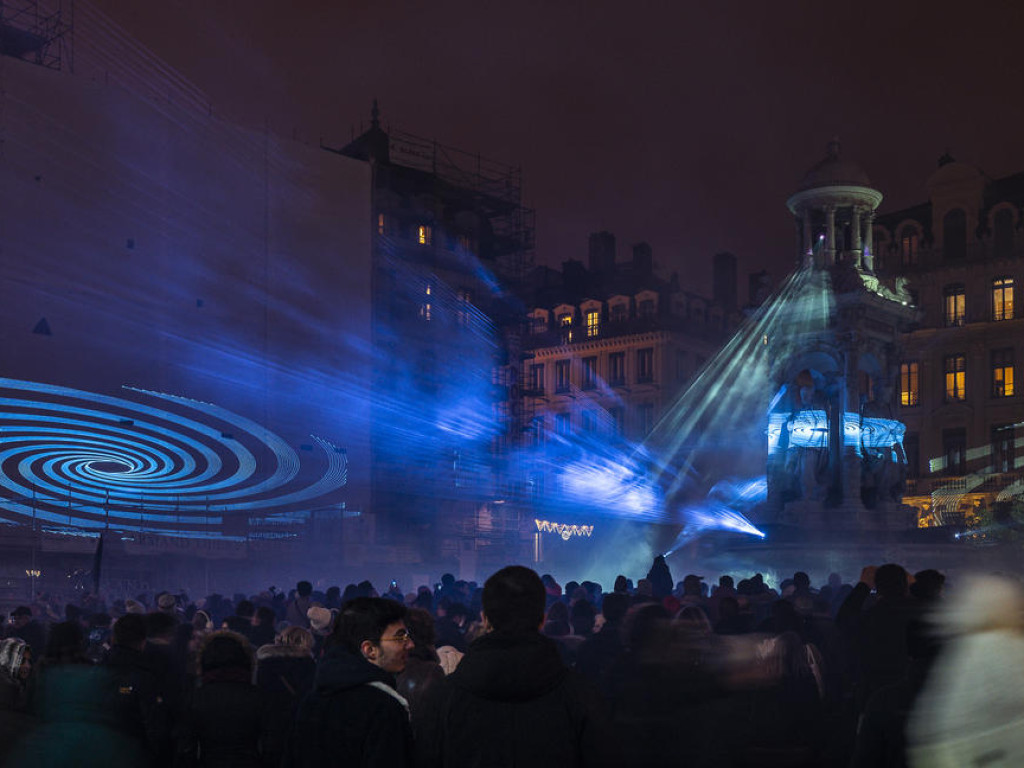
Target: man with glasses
(354,716)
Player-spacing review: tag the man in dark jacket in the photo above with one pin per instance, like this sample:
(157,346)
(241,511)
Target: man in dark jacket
(136,701)
(511,701)
(355,717)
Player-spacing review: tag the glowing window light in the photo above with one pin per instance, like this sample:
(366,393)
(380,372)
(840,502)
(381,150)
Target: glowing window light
(1002,298)
(1002,372)
(565,531)
(956,377)
(424,235)
(910,392)
(593,324)
(380,224)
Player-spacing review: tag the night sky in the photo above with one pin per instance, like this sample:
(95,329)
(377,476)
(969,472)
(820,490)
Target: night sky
(683,124)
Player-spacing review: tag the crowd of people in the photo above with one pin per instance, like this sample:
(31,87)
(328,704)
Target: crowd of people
(524,672)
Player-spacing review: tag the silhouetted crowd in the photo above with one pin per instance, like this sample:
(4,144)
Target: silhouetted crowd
(525,672)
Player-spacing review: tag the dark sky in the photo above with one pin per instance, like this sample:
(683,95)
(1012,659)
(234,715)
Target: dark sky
(684,124)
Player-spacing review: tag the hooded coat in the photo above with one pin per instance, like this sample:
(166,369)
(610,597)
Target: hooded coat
(512,702)
(351,719)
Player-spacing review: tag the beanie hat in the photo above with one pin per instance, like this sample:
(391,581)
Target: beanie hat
(166,601)
(319,618)
(133,606)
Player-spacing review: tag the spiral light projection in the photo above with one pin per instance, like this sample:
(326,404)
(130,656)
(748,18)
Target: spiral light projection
(71,457)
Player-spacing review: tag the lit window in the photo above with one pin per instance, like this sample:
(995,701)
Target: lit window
(1002,298)
(908,246)
(380,223)
(589,373)
(617,369)
(645,364)
(910,392)
(954,305)
(1002,372)
(562,376)
(565,323)
(424,235)
(956,377)
(426,309)
(593,323)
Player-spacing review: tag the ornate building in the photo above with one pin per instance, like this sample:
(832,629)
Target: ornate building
(610,345)
(835,455)
(960,253)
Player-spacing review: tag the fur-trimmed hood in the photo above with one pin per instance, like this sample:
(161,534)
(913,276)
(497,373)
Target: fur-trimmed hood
(283,652)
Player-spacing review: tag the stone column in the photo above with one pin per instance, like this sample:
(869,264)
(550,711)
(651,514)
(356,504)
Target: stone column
(830,243)
(855,227)
(808,244)
(869,241)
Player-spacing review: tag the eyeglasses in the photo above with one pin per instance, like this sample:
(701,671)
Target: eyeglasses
(401,636)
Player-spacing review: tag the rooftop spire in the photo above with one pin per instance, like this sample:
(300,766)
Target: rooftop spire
(375,115)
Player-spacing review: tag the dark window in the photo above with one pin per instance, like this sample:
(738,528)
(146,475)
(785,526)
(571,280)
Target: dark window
(589,380)
(1002,235)
(538,324)
(955,367)
(645,417)
(645,308)
(954,305)
(537,378)
(954,450)
(680,365)
(562,376)
(1002,372)
(563,424)
(908,246)
(589,423)
(1003,448)
(617,418)
(954,235)
(645,364)
(617,369)
(618,312)
(912,448)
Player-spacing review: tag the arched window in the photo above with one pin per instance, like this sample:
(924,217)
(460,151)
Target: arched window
(954,235)
(1002,234)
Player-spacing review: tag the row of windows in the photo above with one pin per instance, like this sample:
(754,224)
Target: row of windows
(423,234)
(589,374)
(954,237)
(594,421)
(954,368)
(617,313)
(954,302)
(1000,456)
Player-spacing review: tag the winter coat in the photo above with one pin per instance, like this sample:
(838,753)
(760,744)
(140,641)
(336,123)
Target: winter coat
(353,718)
(224,724)
(512,702)
(137,704)
(285,674)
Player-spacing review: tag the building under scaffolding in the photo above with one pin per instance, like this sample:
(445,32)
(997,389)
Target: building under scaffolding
(452,244)
(37,32)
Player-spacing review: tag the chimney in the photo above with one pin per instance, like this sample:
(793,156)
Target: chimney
(724,281)
(602,253)
(643,259)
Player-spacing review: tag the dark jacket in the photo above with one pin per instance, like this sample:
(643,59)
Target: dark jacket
(136,702)
(348,721)
(512,702)
(285,674)
(224,724)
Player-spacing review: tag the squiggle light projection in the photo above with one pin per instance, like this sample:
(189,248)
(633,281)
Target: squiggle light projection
(88,460)
(564,530)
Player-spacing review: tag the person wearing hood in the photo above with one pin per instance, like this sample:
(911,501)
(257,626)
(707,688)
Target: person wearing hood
(511,701)
(355,716)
